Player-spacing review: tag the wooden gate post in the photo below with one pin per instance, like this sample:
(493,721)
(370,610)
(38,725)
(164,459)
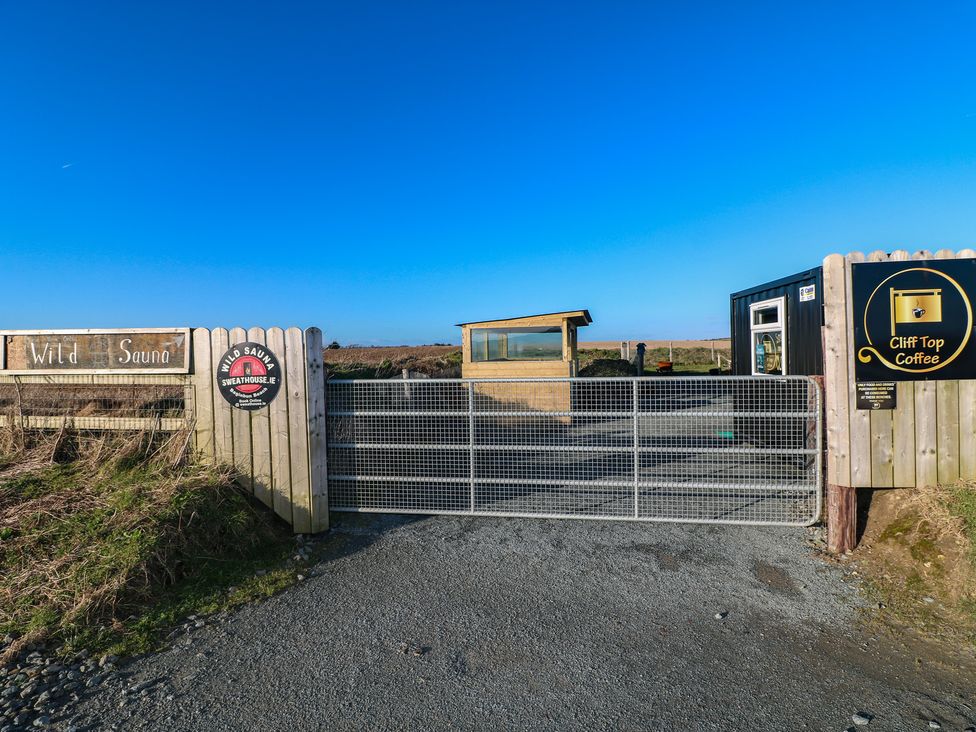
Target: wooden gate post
(841,497)
(841,518)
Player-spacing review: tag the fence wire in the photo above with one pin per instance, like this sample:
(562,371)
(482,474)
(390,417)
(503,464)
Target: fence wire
(101,403)
(701,449)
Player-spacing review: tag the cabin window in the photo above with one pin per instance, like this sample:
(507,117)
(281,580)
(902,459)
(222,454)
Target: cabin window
(768,336)
(517,344)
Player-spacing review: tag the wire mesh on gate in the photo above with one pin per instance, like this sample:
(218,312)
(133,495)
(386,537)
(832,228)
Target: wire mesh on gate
(708,449)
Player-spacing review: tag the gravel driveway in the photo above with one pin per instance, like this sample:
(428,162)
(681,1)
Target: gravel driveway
(513,624)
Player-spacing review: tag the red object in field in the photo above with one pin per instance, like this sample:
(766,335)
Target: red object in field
(665,367)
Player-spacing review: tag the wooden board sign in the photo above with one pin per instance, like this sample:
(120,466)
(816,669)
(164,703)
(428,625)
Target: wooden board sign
(130,351)
(913,320)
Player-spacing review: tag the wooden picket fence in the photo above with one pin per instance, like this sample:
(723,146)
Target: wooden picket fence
(278,452)
(929,438)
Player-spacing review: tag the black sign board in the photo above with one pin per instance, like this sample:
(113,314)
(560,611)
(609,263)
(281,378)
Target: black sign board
(248,376)
(876,395)
(914,320)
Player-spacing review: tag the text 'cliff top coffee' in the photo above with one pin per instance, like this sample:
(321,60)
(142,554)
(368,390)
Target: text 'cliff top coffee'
(913,320)
(249,376)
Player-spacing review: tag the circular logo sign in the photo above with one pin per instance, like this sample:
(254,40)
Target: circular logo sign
(917,320)
(248,376)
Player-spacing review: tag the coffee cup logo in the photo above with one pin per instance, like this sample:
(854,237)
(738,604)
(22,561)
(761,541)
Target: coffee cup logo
(915,306)
(916,321)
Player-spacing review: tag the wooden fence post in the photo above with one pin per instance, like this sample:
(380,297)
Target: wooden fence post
(280,447)
(841,497)
(223,432)
(261,439)
(203,384)
(317,441)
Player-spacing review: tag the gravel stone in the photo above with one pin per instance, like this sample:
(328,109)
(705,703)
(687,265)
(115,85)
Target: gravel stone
(549,626)
(861,719)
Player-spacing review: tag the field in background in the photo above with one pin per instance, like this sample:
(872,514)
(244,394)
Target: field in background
(720,344)
(387,362)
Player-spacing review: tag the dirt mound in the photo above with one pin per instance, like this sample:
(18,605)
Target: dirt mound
(918,551)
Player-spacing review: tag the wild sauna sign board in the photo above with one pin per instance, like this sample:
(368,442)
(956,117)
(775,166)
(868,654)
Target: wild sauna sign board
(145,351)
(913,320)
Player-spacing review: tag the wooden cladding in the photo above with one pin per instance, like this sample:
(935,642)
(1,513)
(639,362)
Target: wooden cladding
(930,435)
(279,451)
(147,351)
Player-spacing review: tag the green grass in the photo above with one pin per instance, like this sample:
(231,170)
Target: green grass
(111,558)
(900,526)
(681,369)
(962,504)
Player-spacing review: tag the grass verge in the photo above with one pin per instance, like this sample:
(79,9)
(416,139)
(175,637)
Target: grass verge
(109,554)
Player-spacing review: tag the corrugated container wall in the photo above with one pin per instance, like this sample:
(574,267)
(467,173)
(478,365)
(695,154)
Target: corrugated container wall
(804,345)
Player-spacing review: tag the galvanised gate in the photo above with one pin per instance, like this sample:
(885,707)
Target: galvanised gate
(699,449)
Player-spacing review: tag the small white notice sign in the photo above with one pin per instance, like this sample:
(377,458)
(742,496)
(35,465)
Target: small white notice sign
(808,292)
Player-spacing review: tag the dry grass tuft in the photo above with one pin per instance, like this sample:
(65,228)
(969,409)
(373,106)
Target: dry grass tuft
(96,531)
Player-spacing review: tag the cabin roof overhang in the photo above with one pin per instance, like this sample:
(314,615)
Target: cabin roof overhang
(576,317)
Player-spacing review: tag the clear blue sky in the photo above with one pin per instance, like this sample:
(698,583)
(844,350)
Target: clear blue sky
(384,170)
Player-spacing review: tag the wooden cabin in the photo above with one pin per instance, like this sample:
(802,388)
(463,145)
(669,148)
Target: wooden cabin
(526,347)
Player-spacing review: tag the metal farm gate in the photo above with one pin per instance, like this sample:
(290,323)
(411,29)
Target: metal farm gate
(703,449)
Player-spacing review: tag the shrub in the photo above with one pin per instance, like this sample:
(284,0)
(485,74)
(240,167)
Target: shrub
(608,367)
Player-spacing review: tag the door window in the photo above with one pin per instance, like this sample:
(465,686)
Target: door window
(768,336)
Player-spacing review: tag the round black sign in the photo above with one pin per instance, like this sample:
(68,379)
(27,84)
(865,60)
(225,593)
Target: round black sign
(248,376)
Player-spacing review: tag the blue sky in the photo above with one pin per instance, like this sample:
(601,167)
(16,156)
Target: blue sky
(384,170)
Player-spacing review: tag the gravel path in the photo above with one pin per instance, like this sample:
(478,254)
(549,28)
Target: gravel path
(478,623)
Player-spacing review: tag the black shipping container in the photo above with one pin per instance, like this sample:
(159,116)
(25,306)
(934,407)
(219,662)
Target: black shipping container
(804,318)
(756,314)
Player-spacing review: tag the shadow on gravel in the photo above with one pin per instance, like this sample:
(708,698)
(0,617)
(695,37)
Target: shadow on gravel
(352,532)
